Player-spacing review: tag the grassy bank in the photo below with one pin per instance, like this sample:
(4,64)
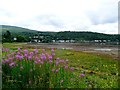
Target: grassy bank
(100,71)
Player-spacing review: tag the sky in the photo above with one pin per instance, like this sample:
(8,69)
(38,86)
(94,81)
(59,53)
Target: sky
(61,15)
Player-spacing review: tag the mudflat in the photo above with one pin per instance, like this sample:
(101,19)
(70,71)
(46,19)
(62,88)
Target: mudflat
(111,50)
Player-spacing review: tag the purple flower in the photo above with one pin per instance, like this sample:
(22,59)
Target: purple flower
(25,51)
(7,49)
(71,68)
(52,50)
(30,57)
(31,53)
(36,51)
(62,61)
(6,60)
(43,50)
(53,54)
(3,61)
(19,49)
(57,63)
(39,60)
(57,70)
(57,59)
(82,75)
(42,56)
(8,55)
(18,53)
(66,67)
(49,57)
(12,64)
(36,58)
(10,59)
(26,55)
(19,57)
(35,62)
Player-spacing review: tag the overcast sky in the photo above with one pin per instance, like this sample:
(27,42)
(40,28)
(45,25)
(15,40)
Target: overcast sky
(61,15)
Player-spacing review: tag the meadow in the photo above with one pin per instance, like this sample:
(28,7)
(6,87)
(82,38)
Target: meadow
(31,67)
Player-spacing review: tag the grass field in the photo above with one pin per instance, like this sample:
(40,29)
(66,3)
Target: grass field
(99,70)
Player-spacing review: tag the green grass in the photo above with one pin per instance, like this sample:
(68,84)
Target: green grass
(101,71)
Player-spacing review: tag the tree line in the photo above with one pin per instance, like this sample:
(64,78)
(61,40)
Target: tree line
(66,35)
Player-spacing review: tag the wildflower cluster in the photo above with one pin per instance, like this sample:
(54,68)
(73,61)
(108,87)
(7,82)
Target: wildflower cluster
(34,69)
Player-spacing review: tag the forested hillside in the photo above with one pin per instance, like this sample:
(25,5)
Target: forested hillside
(25,35)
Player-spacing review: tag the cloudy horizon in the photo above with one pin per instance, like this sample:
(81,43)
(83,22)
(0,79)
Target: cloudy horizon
(61,15)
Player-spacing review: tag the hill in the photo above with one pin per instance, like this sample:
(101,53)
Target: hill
(66,35)
(15,29)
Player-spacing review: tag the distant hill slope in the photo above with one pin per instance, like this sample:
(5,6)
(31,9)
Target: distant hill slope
(15,29)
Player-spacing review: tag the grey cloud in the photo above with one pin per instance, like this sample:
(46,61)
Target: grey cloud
(50,20)
(103,18)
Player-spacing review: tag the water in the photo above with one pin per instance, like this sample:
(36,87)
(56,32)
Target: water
(103,49)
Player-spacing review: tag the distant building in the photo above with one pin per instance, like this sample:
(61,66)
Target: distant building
(14,39)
